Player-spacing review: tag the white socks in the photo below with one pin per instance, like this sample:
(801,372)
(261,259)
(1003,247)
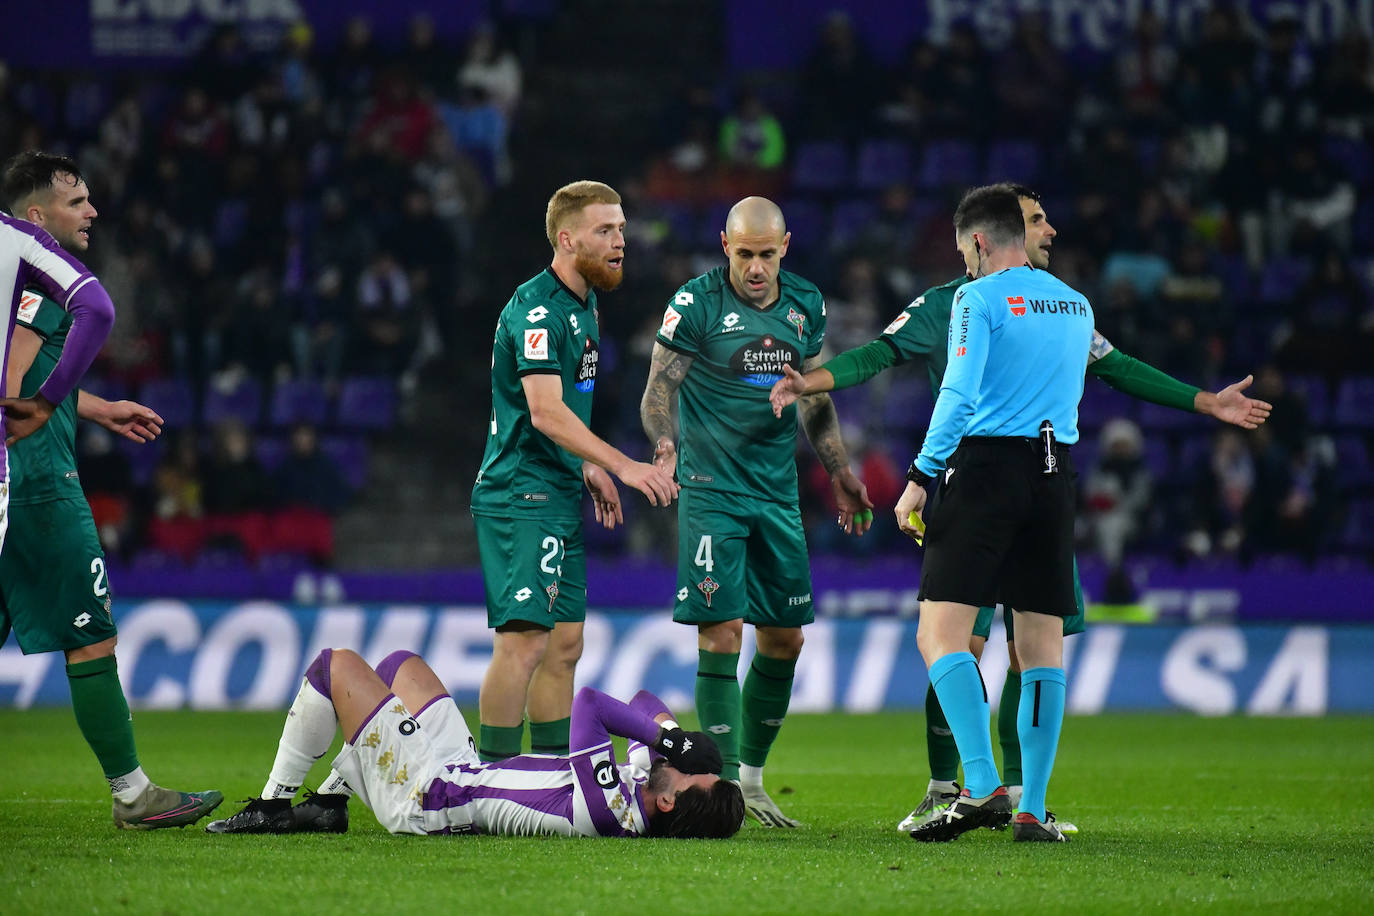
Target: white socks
(750,778)
(305,738)
(129,787)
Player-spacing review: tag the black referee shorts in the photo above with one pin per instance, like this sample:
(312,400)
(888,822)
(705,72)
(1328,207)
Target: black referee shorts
(1000,530)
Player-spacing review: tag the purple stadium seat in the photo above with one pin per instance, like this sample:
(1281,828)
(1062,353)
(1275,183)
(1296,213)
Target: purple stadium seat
(1358,533)
(1013,160)
(1349,157)
(173,400)
(1155,417)
(807,221)
(242,402)
(143,457)
(948,163)
(882,163)
(349,453)
(1315,394)
(907,405)
(1355,403)
(820,166)
(849,219)
(1281,278)
(1084,454)
(270,451)
(299,401)
(366,402)
(1353,469)
(851,404)
(1101,404)
(86,103)
(1157,457)
(712,225)
(149,559)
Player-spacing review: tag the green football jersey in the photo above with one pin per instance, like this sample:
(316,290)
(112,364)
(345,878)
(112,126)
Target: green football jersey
(43,465)
(544,328)
(922,330)
(730,440)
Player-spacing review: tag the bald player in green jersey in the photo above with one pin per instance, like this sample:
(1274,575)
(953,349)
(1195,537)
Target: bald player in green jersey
(54,590)
(526,503)
(921,332)
(741,549)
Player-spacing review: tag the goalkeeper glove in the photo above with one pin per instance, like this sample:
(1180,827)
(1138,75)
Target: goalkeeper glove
(689,752)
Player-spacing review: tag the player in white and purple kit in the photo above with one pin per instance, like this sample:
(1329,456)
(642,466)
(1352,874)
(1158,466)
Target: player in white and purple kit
(29,257)
(412,759)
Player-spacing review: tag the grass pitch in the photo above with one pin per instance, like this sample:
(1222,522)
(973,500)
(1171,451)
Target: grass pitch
(1176,813)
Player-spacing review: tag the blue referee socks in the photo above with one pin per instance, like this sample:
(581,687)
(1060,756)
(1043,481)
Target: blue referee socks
(1038,720)
(964,699)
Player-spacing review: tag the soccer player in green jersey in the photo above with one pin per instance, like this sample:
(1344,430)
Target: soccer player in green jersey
(54,591)
(526,503)
(741,550)
(920,332)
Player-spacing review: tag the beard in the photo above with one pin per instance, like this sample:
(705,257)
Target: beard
(658,779)
(596,272)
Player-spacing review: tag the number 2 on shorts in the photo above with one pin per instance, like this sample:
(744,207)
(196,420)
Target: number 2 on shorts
(554,546)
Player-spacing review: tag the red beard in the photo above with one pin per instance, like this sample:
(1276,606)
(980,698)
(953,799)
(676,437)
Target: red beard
(597,273)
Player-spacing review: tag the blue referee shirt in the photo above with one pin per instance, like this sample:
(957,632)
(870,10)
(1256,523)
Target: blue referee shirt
(1018,348)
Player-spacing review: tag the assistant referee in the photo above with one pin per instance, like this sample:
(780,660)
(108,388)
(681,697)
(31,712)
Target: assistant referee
(999,526)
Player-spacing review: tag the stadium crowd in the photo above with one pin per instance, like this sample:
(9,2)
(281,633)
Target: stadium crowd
(1212,198)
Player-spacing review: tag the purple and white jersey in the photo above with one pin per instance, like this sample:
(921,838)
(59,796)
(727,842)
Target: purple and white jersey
(584,794)
(30,257)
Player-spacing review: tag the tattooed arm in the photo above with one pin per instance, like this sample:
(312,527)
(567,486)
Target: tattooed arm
(822,427)
(667,369)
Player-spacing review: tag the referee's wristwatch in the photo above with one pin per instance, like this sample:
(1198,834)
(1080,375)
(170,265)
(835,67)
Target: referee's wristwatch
(917,476)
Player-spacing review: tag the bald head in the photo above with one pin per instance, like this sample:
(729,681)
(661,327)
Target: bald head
(755,216)
(755,240)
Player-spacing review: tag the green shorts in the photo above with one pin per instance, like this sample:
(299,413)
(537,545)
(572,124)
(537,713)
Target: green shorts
(54,592)
(533,570)
(1075,624)
(741,558)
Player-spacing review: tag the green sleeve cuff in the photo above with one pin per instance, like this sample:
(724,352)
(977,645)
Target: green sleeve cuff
(856,366)
(1141,380)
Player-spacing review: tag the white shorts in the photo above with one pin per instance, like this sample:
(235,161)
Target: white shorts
(393,761)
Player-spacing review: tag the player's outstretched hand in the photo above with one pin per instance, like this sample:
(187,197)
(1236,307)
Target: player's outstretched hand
(913,499)
(24,416)
(605,496)
(659,487)
(851,496)
(1231,405)
(689,752)
(786,390)
(131,420)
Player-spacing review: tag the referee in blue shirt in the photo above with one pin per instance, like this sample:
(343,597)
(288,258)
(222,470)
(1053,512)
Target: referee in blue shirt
(999,523)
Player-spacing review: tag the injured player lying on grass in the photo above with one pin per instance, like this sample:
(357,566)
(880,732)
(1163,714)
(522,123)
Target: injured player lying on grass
(412,760)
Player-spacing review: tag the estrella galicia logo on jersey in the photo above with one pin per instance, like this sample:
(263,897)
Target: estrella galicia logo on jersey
(586,370)
(708,587)
(1018,305)
(605,775)
(798,321)
(760,361)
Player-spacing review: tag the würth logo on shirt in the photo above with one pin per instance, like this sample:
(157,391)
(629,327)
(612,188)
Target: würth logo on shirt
(1018,305)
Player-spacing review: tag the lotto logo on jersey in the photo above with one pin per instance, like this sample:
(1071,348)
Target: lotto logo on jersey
(28,307)
(536,344)
(1018,305)
(671,317)
(538,313)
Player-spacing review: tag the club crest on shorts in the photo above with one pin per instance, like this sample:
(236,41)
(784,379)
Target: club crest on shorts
(708,587)
(798,321)
(552,592)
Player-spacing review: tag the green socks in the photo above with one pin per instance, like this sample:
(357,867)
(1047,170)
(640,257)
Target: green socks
(718,704)
(497,742)
(767,691)
(102,714)
(940,746)
(550,737)
(1006,729)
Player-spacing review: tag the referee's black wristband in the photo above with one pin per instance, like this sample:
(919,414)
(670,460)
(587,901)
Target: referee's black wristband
(917,476)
